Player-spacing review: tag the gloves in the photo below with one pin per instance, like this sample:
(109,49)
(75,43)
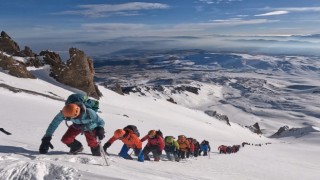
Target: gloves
(106,146)
(44,147)
(99,132)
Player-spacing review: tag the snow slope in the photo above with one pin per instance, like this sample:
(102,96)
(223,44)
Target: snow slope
(27,116)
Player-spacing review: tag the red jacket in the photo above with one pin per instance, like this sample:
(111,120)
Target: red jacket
(191,146)
(157,141)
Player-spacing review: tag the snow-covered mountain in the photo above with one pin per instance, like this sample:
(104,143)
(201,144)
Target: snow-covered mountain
(27,112)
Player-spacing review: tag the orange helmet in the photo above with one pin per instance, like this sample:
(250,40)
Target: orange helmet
(119,133)
(71,110)
(152,133)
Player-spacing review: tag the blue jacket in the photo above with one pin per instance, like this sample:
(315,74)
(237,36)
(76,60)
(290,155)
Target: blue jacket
(88,119)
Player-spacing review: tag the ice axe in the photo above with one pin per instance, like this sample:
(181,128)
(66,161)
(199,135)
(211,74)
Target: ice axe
(4,131)
(103,153)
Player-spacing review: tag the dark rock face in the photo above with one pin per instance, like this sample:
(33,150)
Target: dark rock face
(183,88)
(280,131)
(12,48)
(114,87)
(51,58)
(7,44)
(27,52)
(14,67)
(78,72)
(221,117)
(255,128)
(171,100)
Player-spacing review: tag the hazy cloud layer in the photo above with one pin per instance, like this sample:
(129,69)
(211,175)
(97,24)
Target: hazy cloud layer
(104,10)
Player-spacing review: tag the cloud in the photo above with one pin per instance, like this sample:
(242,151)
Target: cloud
(302,9)
(242,15)
(112,27)
(239,21)
(218,1)
(165,29)
(273,13)
(105,10)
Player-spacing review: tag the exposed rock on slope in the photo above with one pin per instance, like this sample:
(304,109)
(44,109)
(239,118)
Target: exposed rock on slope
(14,68)
(285,131)
(255,128)
(77,72)
(280,131)
(221,117)
(7,44)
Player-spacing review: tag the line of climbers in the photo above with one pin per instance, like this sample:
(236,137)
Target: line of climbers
(175,150)
(82,112)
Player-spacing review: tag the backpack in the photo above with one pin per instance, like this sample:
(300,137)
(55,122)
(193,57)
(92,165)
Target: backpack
(133,128)
(167,137)
(159,133)
(83,99)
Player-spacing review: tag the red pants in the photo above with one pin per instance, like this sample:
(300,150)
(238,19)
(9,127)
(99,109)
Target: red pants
(72,132)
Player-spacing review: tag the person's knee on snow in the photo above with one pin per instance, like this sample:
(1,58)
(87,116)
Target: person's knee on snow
(124,152)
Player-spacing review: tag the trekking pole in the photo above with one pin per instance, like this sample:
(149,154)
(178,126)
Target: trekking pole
(4,131)
(103,154)
(131,152)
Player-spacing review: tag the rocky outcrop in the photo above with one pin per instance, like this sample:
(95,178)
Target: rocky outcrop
(280,131)
(10,47)
(7,44)
(116,88)
(220,117)
(255,128)
(51,58)
(32,59)
(77,72)
(27,52)
(14,68)
(182,88)
(158,88)
(171,100)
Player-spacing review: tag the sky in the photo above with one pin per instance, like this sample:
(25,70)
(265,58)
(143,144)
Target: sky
(59,22)
(27,116)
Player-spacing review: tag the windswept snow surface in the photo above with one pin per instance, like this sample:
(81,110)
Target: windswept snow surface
(27,116)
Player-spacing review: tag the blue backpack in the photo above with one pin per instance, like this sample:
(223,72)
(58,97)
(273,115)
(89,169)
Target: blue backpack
(83,99)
